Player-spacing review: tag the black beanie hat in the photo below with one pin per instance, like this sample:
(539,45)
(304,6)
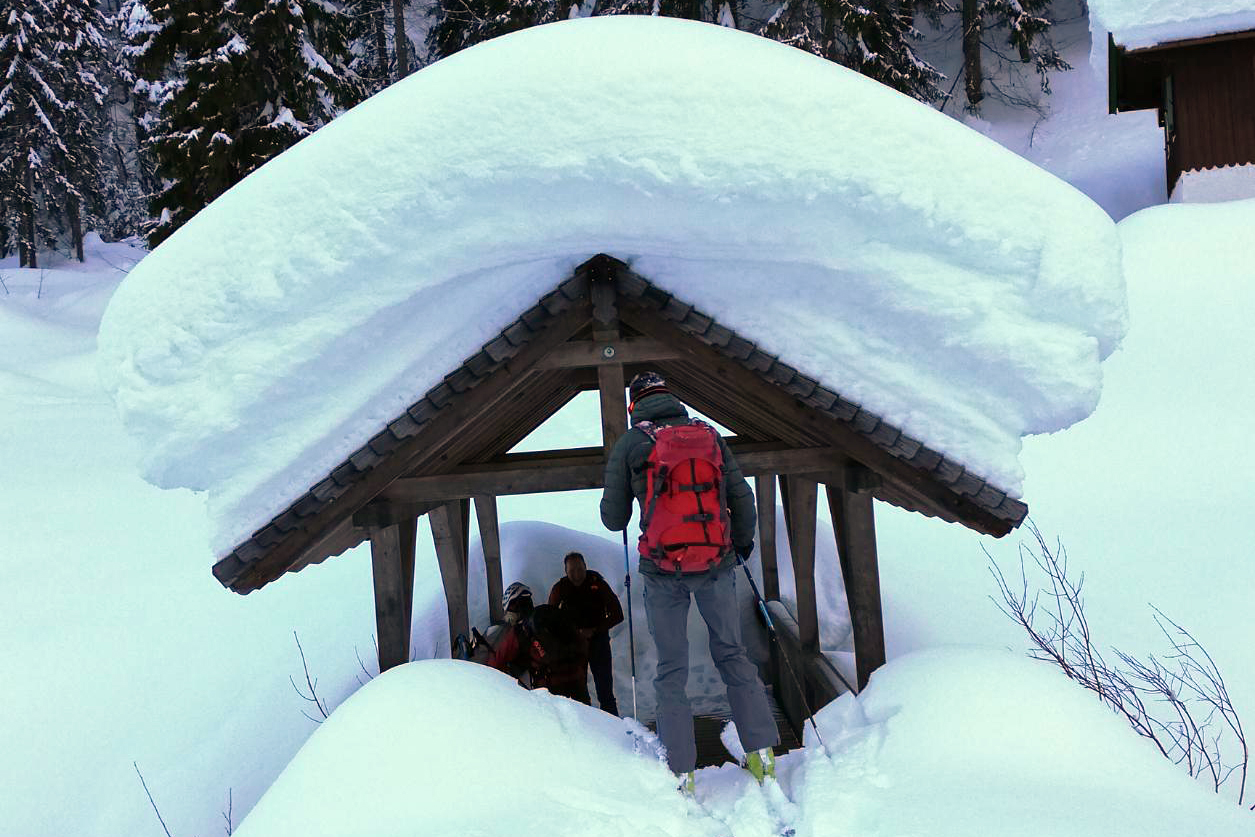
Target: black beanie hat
(646,383)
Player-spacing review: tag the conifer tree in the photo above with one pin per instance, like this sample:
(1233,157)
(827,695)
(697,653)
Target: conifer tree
(1025,28)
(872,38)
(233,84)
(458,24)
(51,100)
(368,34)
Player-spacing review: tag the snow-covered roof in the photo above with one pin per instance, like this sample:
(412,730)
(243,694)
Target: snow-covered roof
(889,252)
(1135,24)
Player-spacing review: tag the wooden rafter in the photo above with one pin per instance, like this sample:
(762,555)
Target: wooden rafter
(437,447)
(577,354)
(582,468)
(790,417)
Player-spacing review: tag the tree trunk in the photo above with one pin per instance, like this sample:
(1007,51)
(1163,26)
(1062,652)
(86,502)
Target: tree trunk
(971,54)
(378,24)
(400,38)
(26,237)
(75,217)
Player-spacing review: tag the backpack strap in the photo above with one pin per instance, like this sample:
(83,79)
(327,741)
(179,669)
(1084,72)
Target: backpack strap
(654,481)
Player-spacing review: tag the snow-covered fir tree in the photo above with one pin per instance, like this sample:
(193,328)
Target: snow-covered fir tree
(873,38)
(232,84)
(52,96)
(368,35)
(458,24)
(1009,32)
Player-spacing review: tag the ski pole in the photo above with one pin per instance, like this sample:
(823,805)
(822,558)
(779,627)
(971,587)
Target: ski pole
(771,631)
(627,583)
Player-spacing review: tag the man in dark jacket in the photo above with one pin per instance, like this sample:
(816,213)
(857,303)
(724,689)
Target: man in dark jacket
(667,594)
(587,599)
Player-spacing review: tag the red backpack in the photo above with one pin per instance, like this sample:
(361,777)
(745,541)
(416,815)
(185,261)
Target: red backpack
(684,517)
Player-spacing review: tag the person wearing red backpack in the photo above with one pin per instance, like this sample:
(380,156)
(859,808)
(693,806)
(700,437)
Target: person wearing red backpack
(697,515)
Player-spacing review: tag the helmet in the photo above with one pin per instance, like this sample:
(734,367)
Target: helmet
(517,590)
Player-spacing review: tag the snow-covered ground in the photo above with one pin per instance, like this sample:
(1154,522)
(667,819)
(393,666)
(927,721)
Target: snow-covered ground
(120,647)
(947,742)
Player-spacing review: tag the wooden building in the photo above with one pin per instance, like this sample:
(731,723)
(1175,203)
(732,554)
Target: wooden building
(597,328)
(1204,92)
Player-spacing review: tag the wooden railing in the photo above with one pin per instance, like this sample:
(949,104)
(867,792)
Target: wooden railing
(818,675)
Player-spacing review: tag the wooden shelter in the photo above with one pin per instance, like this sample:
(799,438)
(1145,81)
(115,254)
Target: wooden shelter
(596,329)
(1204,91)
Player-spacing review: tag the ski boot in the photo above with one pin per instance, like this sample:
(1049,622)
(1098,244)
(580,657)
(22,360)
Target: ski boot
(761,764)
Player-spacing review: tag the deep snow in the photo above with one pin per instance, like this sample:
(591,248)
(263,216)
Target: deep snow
(434,214)
(120,647)
(947,742)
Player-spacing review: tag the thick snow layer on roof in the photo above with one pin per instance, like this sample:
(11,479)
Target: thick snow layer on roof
(1142,23)
(906,261)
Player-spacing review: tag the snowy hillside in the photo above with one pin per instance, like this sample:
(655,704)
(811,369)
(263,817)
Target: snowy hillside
(122,651)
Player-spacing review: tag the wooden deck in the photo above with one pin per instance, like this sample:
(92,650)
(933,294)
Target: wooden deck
(706,730)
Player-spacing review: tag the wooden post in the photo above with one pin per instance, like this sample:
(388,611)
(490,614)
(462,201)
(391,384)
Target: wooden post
(490,539)
(855,524)
(801,499)
(407,531)
(765,497)
(614,417)
(392,565)
(446,532)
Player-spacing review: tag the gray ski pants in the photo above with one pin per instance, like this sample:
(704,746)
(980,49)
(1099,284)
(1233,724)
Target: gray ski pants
(667,600)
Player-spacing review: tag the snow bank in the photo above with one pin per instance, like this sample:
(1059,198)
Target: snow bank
(946,743)
(453,748)
(901,258)
(1142,23)
(955,742)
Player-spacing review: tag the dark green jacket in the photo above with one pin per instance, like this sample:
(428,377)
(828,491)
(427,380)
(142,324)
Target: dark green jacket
(625,474)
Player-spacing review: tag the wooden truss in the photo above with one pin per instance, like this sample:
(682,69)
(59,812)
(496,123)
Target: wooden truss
(602,326)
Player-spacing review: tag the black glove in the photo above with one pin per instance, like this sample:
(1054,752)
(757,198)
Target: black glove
(745,550)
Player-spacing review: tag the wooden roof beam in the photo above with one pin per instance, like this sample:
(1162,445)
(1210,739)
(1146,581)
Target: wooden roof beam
(581,468)
(583,353)
(932,497)
(435,447)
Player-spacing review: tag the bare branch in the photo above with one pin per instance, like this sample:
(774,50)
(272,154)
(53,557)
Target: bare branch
(150,799)
(311,684)
(1178,701)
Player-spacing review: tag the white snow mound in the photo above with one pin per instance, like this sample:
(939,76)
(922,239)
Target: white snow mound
(906,261)
(444,747)
(1142,23)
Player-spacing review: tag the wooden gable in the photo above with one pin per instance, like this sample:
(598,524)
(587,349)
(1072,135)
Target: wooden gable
(593,332)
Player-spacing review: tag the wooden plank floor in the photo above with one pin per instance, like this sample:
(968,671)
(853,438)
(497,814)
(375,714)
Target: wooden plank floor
(706,730)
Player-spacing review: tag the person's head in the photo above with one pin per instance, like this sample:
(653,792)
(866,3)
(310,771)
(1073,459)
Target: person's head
(517,602)
(644,385)
(575,568)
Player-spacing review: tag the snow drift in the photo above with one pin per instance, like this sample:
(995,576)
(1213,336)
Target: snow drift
(901,258)
(945,743)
